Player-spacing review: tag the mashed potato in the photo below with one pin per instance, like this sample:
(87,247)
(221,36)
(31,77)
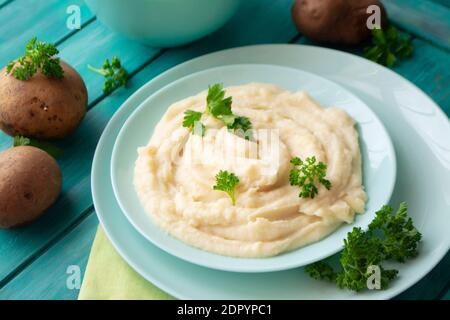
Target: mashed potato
(175,173)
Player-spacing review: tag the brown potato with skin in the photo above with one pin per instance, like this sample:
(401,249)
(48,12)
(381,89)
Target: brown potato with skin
(42,107)
(30,182)
(335,21)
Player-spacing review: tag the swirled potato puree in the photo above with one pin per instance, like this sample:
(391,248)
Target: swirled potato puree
(176,172)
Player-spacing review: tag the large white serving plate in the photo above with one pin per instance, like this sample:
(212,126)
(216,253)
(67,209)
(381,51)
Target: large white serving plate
(418,128)
(376,148)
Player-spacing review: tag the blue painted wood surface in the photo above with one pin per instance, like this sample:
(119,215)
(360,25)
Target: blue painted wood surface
(443,2)
(4,2)
(34,259)
(24,19)
(424,18)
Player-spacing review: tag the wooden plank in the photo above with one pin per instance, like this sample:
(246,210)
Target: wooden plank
(98,43)
(47,278)
(19,247)
(443,2)
(429,20)
(4,3)
(19,24)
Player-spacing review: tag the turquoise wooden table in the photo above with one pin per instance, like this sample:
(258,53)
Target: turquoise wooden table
(34,259)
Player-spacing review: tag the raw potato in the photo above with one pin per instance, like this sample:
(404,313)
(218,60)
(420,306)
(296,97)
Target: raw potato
(335,21)
(30,182)
(42,107)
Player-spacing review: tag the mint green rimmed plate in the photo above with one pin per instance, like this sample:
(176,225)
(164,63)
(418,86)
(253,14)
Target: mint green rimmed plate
(377,152)
(419,131)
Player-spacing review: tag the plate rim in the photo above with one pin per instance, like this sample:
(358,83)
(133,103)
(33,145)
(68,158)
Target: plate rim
(443,250)
(233,264)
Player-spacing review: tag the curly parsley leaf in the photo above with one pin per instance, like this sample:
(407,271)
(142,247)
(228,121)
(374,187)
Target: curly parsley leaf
(388,46)
(306,173)
(390,236)
(361,250)
(51,149)
(400,237)
(115,75)
(227,182)
(321,270)
(38,56)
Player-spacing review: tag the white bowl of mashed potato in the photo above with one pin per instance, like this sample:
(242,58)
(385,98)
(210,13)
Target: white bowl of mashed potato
(165,169)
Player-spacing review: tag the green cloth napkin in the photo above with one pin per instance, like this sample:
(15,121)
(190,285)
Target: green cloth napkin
(108,276)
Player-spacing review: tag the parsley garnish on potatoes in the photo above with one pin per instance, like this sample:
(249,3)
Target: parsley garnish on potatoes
(216,103)
(220,108)
(227,182)
(38,56)
(389,237)
(306,173)
(115,75)
(191,120)
(400,237)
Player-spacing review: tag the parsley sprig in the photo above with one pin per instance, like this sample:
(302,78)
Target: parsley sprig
(51,149)
(191,120)
(361,250)
(389,236)
(400,237)
(306,173)
(219,107)
(388,46)
(115,75)
(216,103)
(227,182)
(38,56)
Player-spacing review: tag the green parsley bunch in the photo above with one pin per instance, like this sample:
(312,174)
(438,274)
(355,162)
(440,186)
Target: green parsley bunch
(306,173)
(38,56)
(115,75)
(389,237)
(227,182)
(388,46)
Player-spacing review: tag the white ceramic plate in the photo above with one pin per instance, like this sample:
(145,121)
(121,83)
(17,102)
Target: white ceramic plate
(419,131)
(377,154)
